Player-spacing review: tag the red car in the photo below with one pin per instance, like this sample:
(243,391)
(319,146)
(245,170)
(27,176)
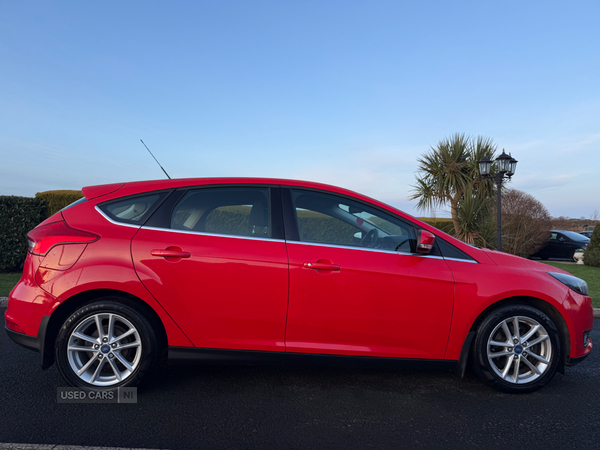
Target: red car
(253,270)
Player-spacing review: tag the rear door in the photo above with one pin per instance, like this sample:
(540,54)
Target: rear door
(215,259)
(356,285)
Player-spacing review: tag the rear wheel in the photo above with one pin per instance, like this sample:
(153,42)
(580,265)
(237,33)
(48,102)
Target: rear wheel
(106,344)
(517,349)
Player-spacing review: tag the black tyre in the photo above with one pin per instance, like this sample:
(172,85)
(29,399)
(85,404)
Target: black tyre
(106,344)
(517,349)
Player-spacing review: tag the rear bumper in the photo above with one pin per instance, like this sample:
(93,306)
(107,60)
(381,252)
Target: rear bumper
(29,342)
(30,307)
(35,343)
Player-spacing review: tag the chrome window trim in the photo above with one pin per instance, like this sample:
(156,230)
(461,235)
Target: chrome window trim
(201,233)
(316,244)
(472,261)
(123,224)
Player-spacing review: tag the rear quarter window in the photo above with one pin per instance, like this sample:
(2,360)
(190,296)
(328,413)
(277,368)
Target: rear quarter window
(135,209)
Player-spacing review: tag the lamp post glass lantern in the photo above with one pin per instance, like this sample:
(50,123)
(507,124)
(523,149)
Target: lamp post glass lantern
(503,162)
(506,166)
(485,165)
(513,167)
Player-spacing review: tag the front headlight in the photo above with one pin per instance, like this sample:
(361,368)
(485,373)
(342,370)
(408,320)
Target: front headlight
(577,284)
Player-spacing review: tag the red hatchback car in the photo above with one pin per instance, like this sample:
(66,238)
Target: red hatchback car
(255,270)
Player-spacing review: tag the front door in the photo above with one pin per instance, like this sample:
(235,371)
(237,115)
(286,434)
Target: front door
(358,288)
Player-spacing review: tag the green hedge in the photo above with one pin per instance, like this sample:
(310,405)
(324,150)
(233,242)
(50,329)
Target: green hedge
(317,227)
(18,215)
(446,225)
(57,200)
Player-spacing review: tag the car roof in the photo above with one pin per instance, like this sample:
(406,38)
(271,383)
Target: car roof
(150,185)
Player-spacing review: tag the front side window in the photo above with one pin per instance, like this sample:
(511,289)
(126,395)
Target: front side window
(330,219)
(229,211)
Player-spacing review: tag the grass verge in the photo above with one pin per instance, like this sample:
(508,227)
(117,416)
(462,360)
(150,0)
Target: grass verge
(7,282)
(591,275)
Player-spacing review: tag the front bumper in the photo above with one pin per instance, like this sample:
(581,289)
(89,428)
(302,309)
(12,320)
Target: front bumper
(574,361)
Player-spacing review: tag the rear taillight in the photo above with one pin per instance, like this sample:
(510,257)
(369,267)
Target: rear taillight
(41,239)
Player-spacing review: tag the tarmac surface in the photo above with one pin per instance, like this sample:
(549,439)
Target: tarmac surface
(266,407)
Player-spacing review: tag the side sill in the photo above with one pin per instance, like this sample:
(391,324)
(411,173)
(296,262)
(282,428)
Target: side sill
(206,356)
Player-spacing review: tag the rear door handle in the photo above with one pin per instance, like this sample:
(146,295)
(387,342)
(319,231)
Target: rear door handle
(171,253)
(321,266)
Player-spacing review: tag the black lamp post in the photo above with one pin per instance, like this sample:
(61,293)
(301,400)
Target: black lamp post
(506,166)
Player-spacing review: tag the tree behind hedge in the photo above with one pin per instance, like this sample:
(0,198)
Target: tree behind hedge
(57,200)
(526,224)
(18,215)
(591,256)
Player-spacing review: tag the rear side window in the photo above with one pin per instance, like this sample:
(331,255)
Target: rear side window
(135,209)
(229,211)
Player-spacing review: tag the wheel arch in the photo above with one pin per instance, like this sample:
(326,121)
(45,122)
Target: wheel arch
(68,306)
(543,306)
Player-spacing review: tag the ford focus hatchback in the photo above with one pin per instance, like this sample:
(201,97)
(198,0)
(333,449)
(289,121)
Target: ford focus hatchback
(267,270)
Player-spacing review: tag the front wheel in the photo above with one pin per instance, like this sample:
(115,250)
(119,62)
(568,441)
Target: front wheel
(517,349)
(106,344)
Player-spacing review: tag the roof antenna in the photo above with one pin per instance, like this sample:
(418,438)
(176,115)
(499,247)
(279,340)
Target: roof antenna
(156,160)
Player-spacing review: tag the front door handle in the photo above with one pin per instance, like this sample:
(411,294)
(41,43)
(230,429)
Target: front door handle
(171,253)
(321,266)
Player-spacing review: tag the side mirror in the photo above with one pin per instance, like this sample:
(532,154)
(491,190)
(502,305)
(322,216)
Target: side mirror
(425,241)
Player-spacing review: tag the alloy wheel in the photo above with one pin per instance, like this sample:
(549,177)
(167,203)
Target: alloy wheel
(104,349)
(519,350)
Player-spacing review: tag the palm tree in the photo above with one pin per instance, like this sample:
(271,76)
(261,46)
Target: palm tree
(449,174)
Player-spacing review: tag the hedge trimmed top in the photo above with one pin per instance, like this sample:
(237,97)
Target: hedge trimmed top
(57,200)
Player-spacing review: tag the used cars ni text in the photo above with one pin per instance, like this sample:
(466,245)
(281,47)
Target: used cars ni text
(251,270)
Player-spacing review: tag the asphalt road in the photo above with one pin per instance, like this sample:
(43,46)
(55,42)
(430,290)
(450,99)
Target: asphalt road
(293,408)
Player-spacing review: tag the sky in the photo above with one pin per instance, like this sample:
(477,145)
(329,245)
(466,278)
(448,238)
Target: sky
(346,92)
